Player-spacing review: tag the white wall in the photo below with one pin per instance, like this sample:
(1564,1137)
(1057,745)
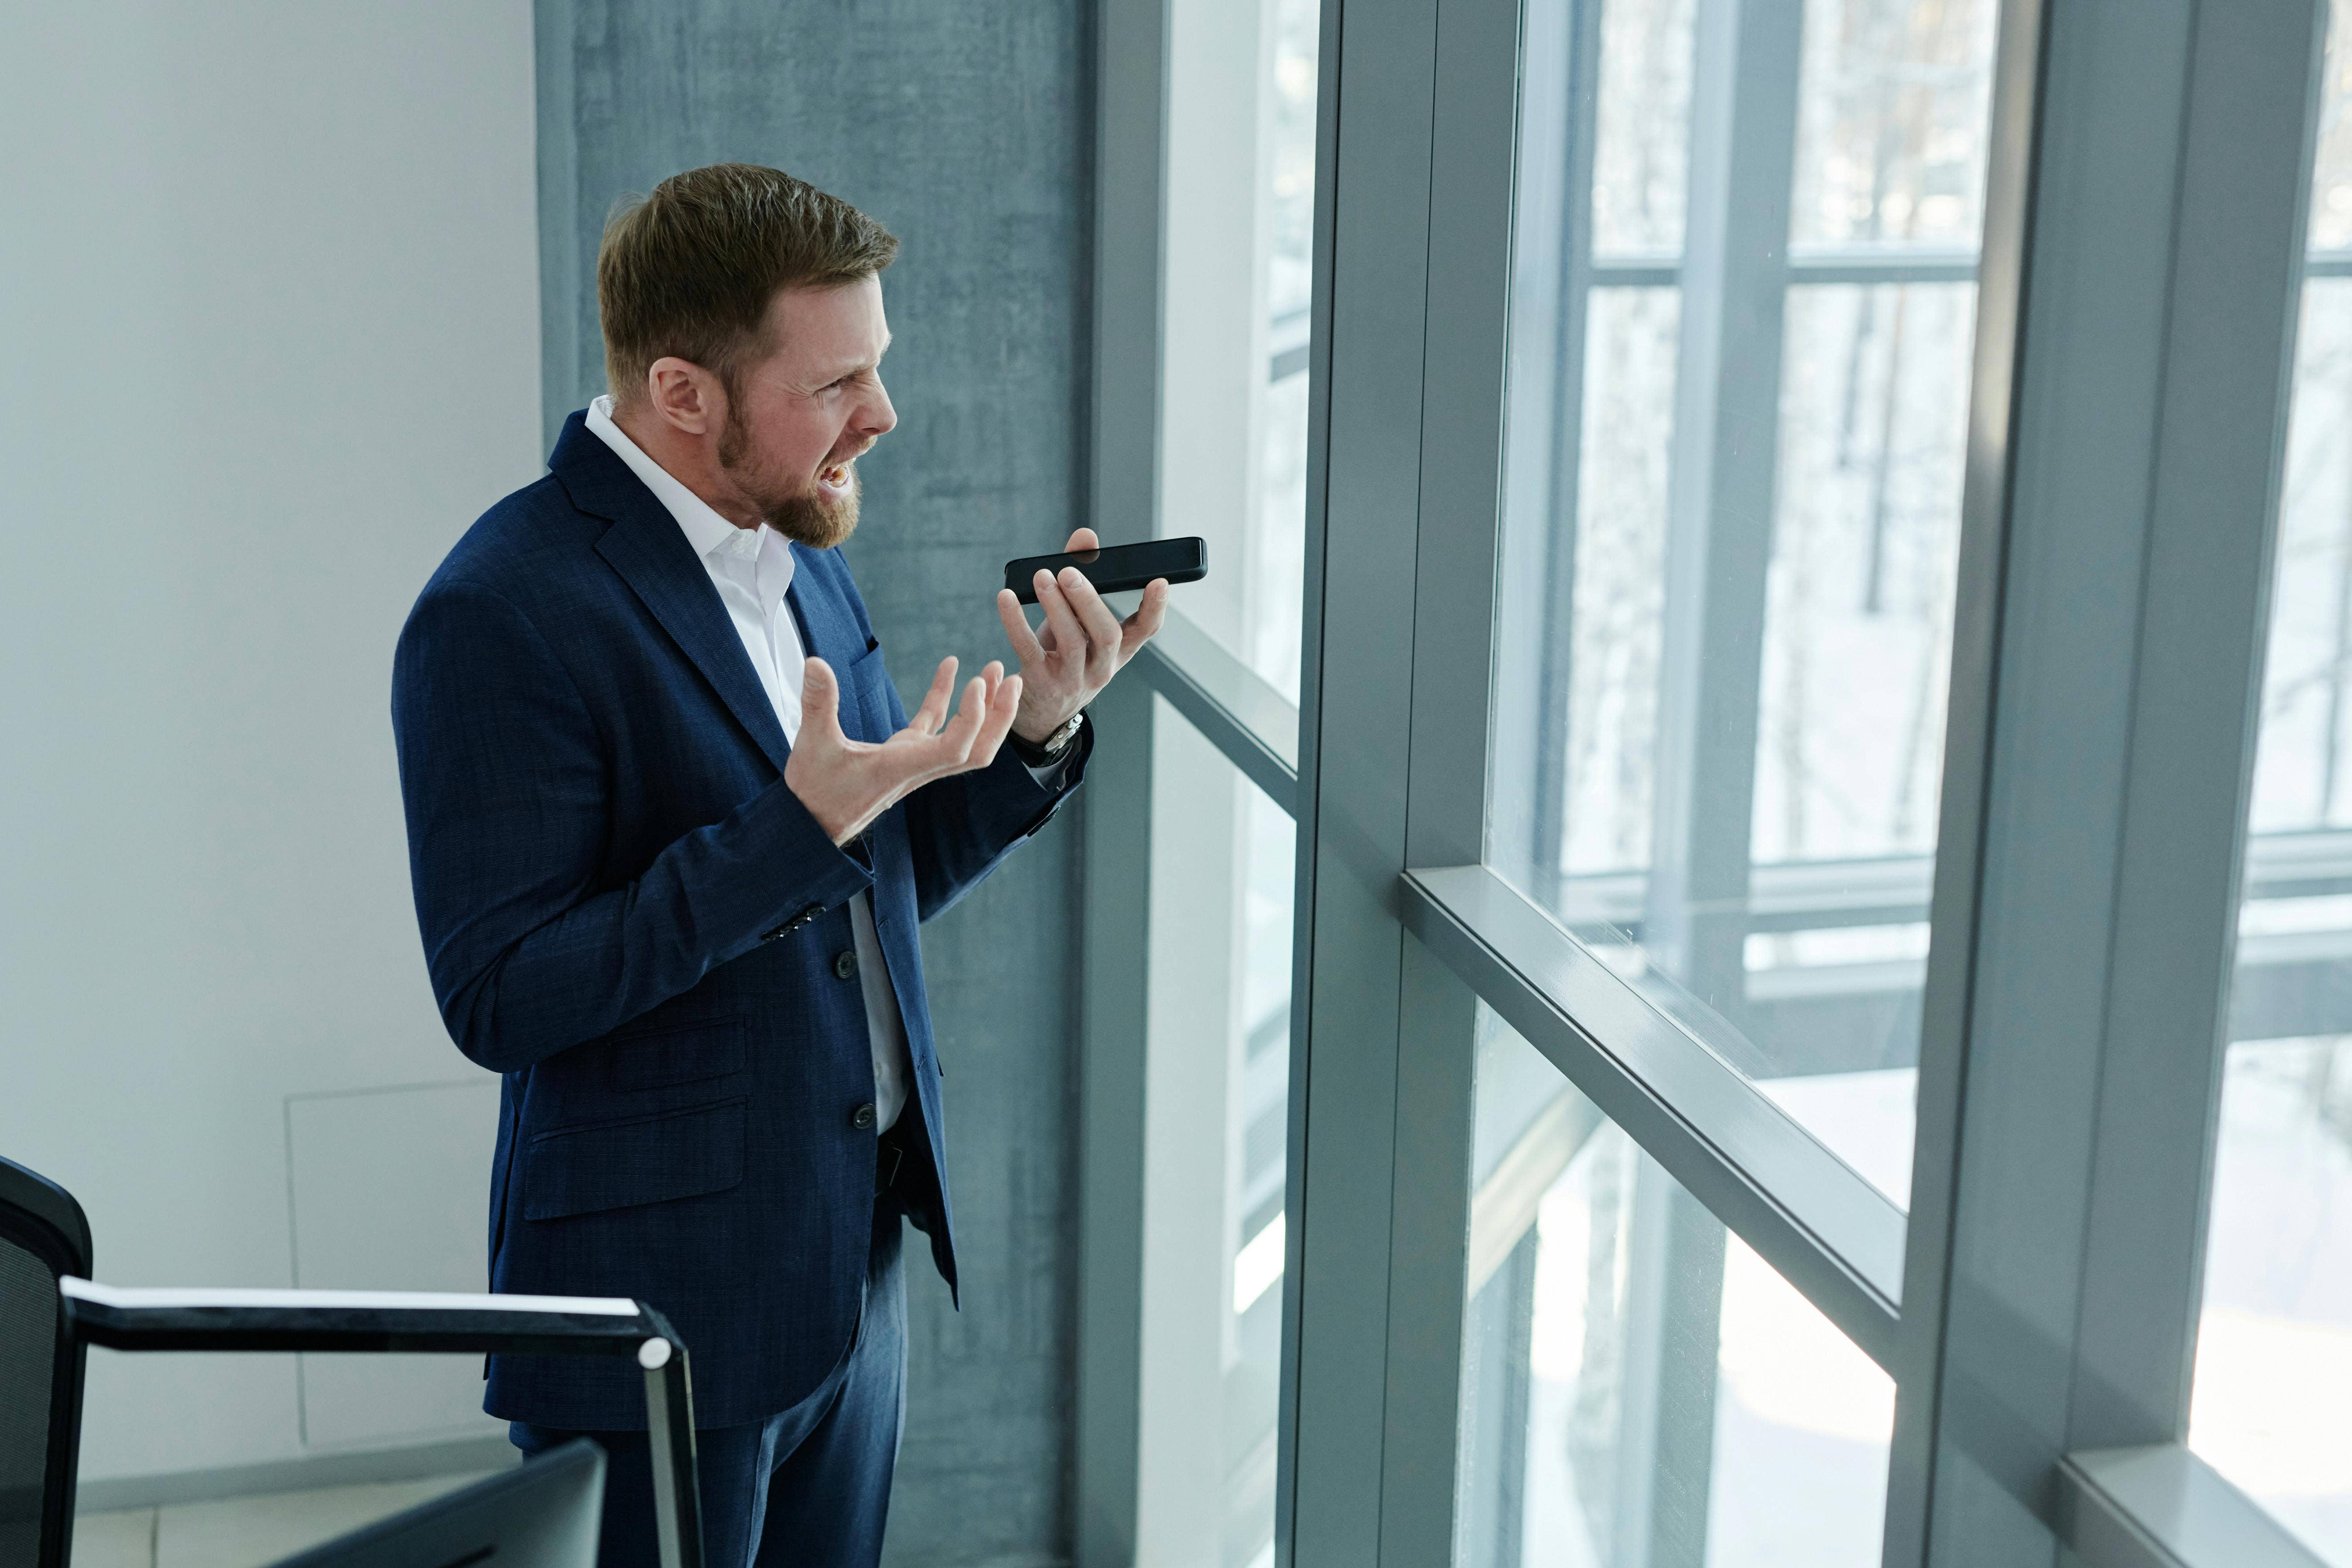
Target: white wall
(269,341)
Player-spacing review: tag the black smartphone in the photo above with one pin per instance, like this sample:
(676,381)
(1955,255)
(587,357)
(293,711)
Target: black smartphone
(1114,567)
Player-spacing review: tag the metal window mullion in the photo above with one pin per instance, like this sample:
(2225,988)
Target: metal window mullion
(1552,291)
(1115,907)
(2133,320)
(566,308)
(1622,272)
(1877,268)
(1306,816)
(1130,152)
(2097,266)
(2236,288)
(1372,196)
(1720,499)
(1874,268)
(1745,76)
(1130,182)
(1467,332)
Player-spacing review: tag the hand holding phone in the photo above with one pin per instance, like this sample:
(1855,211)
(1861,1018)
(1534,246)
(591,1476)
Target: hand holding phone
(1073,656)
(1116,568)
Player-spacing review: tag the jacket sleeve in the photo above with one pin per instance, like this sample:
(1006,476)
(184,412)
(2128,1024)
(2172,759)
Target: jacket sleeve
(961,826)
(505,778)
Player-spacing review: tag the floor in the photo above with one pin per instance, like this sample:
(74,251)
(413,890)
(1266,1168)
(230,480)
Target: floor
(246,1531)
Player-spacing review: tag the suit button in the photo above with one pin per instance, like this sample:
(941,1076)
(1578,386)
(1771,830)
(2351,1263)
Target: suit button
(844,964)
(862,1117)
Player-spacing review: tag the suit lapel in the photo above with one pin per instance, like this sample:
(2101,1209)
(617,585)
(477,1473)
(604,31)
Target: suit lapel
(645,546)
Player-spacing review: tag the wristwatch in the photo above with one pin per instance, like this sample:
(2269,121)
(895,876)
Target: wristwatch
(1037,753)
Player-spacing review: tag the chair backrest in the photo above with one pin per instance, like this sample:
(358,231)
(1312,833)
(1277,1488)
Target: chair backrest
(42,1235)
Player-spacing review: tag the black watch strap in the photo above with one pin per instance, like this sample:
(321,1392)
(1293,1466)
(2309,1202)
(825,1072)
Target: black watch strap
(1034,754)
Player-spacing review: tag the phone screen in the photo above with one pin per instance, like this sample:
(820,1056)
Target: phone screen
(1114,567)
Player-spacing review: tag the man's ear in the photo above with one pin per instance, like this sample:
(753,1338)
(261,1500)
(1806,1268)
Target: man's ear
(685,395)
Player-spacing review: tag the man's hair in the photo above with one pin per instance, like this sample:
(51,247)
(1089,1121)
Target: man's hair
(690,269)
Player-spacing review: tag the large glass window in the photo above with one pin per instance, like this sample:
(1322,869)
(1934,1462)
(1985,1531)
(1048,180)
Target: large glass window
(1638,1386)
(1740,428)
(1216,1120)
(1240,226)
(1733,482)
(2273,1371)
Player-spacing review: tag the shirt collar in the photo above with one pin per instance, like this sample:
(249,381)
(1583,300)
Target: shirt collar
(705,529)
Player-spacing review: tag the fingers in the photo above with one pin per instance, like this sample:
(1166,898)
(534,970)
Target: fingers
(1061,618)
(1025,645)
(933,713)
(1139,628)
(820,701)
(1084,539)
(1041,587)
(971,740)
(1002,711)
(932,745)
(1101,626)
(953,743)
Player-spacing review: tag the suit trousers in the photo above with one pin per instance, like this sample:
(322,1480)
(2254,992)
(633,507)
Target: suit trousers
(810,1484)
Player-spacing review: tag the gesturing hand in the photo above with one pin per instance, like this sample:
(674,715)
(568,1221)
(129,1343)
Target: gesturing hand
(846,783)
(1081,646)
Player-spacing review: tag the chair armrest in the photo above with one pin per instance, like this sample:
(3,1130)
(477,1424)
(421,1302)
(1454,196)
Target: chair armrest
(178,1319)
(418,1321)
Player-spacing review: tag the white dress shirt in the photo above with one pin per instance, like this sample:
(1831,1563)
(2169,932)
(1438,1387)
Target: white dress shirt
(752,568)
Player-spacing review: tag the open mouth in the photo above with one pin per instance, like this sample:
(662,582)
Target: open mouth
(834,479)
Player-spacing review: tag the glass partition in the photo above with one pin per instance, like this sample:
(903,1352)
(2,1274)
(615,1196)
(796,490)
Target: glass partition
(1743,301)
(1216,1120)
(1239,269)
(1638,1388)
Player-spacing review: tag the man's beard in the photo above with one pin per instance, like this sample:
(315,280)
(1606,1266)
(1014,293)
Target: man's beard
(803,517)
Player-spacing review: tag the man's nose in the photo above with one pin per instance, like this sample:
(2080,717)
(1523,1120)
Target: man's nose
(879,417)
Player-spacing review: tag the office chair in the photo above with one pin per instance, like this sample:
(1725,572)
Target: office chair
(51,1312)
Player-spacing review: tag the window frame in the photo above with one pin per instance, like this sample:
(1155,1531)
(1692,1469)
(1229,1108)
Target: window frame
(2147,184)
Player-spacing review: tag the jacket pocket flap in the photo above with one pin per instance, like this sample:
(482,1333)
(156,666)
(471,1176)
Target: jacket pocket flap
(868,681)
(622,1164)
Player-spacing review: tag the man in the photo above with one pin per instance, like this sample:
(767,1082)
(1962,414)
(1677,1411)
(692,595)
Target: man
(671,833)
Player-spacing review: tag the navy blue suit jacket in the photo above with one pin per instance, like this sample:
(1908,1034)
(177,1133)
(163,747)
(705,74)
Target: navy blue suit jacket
(627,913)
